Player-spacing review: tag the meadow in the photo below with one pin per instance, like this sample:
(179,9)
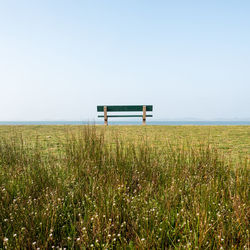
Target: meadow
(124,187)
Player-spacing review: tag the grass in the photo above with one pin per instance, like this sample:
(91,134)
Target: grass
(132,187)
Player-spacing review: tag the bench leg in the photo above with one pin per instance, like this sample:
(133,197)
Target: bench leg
(105,116)
(144,116)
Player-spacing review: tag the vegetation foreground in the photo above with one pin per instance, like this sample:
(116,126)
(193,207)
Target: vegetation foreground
(92,187)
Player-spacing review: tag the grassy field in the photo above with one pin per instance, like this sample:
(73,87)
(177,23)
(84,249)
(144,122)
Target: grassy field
(135,187)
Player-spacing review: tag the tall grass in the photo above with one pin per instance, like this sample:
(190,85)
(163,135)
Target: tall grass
(91,193)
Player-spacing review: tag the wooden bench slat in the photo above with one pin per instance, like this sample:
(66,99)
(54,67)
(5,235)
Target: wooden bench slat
(100,116)
(128,108)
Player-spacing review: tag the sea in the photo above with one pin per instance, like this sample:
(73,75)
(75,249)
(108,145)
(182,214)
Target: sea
(160,123)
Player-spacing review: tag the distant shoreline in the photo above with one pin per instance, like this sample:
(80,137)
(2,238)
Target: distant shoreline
(174,123)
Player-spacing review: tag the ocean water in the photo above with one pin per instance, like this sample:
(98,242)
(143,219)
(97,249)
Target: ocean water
(174,123)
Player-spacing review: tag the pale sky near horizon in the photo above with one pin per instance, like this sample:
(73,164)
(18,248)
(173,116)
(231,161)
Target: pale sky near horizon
(59,59)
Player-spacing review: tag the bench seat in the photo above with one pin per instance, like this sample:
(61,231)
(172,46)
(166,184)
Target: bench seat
(101,116)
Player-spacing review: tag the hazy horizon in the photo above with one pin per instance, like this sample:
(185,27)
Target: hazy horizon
(60,59)
(136,119)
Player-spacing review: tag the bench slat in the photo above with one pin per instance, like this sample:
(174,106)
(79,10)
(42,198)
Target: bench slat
(125,116)
(129,108)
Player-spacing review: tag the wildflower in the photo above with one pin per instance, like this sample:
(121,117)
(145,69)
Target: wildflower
(91,245)
(78,239)
(34,243)
(50,235)
(5,239)
(14,235)
(69,238)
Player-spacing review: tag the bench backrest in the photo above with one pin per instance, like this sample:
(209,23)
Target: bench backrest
(125,108)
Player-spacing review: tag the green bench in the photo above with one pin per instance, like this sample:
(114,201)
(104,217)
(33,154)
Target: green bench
(125,108)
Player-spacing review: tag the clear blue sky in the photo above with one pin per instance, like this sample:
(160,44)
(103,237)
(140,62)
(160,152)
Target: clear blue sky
(59,59)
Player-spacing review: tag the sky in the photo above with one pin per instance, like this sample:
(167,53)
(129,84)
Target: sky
(60,59)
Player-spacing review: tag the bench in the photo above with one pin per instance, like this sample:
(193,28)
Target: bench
(125,108)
